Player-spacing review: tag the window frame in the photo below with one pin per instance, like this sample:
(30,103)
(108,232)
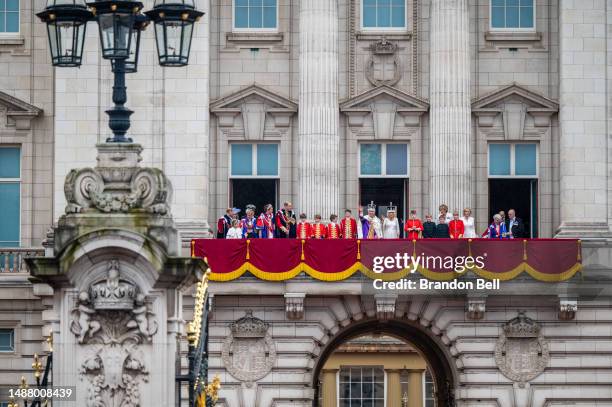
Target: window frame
(13,34)
(254,174)
(383,160)
(513,29)
(385,380)
(513,161)
(20,183)
(14,346)
(383,29)
(253,30)
(424,389)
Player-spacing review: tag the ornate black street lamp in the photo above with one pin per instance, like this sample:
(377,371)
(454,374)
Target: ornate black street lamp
(120,23)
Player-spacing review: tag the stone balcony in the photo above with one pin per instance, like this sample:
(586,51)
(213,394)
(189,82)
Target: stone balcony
(12,259)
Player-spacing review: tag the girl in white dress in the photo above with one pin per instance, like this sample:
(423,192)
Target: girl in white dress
(235,232)
(468,223)
(391,228)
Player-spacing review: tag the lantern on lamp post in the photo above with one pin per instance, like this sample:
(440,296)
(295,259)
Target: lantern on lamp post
(120,25)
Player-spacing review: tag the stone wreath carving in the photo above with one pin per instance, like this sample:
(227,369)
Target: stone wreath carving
(521,352)
(249,352)
(384,66)
(112,316)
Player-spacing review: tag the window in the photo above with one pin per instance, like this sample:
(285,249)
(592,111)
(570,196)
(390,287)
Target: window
(388,15)
(254,160)
(9,16)
(377,160)
(362,386)
(258,15)
(513,160)
(429,398)
(7,340)
(512,15)
(10,187)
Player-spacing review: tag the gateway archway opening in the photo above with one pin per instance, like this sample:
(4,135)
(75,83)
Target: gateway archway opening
(378,364)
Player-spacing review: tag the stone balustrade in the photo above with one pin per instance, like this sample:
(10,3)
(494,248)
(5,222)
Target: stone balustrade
(12,258)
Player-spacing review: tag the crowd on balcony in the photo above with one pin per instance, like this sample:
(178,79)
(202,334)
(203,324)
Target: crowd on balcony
(285,224)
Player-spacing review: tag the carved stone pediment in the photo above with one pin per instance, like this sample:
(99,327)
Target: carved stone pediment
(253,105)
(386,105)
(513,102)
(18,113)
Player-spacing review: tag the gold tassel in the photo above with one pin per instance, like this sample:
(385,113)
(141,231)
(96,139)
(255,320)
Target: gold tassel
(414,248)
(248,253)
(192,248)
(358,249)
(525,249)
(469,247)
(302,257)
(579,257)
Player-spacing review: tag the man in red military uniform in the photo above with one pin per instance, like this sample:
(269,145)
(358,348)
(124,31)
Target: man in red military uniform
(456,227)
(333,229)
(304,229)
(413,226)
(348,226)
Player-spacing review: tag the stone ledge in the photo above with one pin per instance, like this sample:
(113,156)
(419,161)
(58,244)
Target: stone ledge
(13,40)
(391,36)
(515,36)
(254,37)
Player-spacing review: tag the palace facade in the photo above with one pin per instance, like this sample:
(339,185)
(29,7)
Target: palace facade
(333,104)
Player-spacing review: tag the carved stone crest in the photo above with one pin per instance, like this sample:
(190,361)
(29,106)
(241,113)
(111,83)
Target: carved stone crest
(384,66)
(112,310)
(248,352)
(521,352)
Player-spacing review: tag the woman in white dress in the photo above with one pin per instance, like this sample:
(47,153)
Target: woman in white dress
(235,232)
(391,228)
(468,223)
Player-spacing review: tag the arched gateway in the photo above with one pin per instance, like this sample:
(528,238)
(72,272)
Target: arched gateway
(430,348)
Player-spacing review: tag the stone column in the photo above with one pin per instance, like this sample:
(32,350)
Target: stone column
(330,398)
(415,388)
(450,108)
(582,117)
(318,139)
(394,388)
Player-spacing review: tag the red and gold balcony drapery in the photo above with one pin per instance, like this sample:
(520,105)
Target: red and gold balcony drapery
(333,260)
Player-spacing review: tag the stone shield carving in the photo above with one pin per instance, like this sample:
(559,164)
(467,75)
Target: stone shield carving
(248,352)
(384,66)
(112,317)
(521,352)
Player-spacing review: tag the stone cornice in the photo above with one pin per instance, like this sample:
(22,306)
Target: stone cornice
(19,111)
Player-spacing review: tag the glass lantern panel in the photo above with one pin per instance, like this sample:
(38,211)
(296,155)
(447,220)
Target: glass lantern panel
(115,31)
(53,41)
(187,32)
(173,39)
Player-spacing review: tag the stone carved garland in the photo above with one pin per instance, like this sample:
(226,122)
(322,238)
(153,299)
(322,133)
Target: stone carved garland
(521,352)
(249,352)
(113,317)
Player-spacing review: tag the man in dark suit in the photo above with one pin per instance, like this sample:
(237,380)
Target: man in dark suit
(516,227)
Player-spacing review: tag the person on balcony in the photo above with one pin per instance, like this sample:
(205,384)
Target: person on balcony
(442,231)
(456,227)
(371,227)
(516,227)
(413,226)
(444,212)
(319,231)
(235,232)
(285,221)
(391,227)
(249,222)
(348,226)
(333,228)
(225,222)
(469,226)
(304,229)
(265,223)
(497,229)
(429,227)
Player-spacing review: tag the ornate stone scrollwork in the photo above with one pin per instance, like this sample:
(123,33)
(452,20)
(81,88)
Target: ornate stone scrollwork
(294,305)
(385,306)
(567,309)
(249,352)
(476,308)
(521,352)
(112,316)
(117,184)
